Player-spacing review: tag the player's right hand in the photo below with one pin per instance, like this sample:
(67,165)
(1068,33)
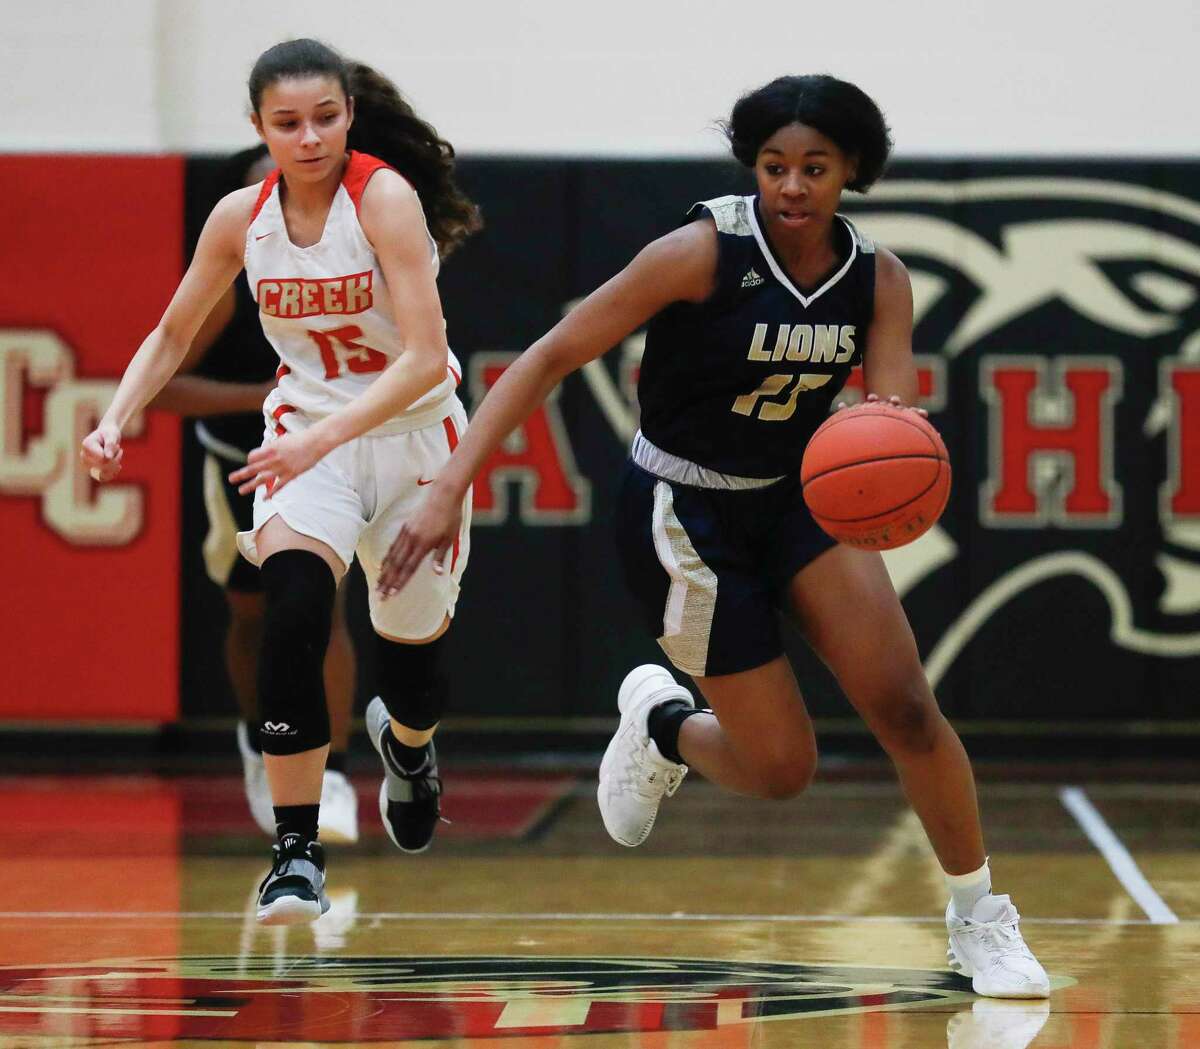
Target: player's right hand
(894,401)
(432,529)
(101,452)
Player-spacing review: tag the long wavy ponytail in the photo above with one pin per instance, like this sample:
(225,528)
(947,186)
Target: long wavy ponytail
(385,126)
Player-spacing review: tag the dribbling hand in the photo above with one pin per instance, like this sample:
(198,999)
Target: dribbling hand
(433,528)
(894,401)
(101,452)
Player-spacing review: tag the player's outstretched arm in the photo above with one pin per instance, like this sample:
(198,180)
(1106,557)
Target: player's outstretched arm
(679,266)
(217,261)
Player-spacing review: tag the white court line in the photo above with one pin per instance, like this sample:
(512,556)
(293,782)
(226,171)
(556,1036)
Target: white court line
(569,916)
(1076,802)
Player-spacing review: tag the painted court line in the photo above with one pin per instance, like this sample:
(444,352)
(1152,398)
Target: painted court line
(568,916)
(1076,802)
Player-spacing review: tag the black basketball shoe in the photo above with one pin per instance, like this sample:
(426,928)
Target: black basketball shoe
(294,889)
(409,802)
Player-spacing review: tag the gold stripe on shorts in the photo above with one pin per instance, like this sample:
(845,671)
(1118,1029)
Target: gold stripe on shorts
(692,599)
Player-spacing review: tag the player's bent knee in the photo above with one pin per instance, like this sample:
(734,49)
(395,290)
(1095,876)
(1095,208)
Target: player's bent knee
(299,591)
(907,721)
(411,681)
(786,779)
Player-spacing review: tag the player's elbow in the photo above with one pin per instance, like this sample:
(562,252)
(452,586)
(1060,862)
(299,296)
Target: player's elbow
(431,369)
(553,359)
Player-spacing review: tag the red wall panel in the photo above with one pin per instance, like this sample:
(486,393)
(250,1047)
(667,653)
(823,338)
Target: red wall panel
(90,255)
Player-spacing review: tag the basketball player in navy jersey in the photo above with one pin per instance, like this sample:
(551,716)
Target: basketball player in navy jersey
(757,309)
(224,379)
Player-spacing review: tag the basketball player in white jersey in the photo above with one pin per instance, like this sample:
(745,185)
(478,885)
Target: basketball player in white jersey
(341,250)
(221,385)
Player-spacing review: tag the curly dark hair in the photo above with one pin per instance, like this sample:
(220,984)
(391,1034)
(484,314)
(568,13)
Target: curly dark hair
(385,126)
(842,113)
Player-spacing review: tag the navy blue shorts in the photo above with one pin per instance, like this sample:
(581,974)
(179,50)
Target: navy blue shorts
(710,569)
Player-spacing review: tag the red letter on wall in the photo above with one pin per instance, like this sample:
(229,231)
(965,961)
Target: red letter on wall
(537,456)
(1182,496)
(1050,442)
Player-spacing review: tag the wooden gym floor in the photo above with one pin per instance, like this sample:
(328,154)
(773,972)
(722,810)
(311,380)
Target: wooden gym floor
(127,919)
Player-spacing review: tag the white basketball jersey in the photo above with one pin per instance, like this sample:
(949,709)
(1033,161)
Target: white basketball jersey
(327,311)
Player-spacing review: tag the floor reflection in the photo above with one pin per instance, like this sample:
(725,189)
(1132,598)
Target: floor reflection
(128,919)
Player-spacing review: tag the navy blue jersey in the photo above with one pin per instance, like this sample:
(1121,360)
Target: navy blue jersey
(739,382)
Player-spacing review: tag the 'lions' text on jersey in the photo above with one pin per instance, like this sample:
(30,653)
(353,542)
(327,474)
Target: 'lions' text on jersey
(739,382)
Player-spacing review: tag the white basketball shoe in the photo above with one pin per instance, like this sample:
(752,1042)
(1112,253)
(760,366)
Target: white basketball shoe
(339,809)
(988,947)
(254,777)
(634,776)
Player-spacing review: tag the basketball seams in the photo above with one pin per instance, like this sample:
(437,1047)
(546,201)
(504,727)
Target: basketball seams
(898,507)
(863,462)
(936,446)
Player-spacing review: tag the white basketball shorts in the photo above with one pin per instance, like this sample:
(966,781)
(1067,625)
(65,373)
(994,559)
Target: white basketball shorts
(355,500)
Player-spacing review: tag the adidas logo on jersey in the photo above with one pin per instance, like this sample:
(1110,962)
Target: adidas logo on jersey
(751,279)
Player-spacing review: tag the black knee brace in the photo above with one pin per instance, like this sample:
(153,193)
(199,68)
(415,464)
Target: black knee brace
(299,589)
(410,681)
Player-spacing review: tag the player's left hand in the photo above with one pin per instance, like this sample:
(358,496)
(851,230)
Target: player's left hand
(277,462)
(894,401)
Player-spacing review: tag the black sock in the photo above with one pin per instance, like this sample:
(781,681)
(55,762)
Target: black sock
(252,737)
(336,762)
(297,819)
(410,759)
(663,724)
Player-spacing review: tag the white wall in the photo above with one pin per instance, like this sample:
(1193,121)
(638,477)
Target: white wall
(621,76)
(78,76)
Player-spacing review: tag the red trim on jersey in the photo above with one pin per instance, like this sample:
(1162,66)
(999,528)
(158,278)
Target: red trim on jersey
(359,170)
(282,370)
(457,377)
(283,409)
(452,440)
(269,184)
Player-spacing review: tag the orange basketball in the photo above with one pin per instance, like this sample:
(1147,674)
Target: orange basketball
(876,476)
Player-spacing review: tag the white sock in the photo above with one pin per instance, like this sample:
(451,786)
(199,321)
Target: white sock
(968,889)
